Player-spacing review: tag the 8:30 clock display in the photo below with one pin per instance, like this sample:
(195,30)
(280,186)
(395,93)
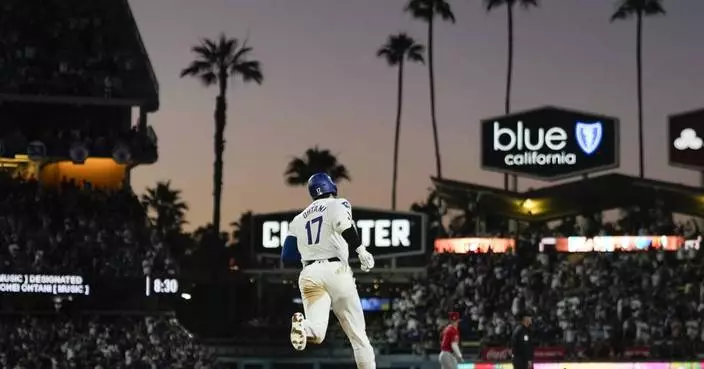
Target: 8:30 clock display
(161,286)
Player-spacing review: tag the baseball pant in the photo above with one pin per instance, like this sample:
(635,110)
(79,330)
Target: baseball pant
(330,284)
(447,360)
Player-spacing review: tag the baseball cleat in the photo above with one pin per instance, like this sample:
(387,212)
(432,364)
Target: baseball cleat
(298,333)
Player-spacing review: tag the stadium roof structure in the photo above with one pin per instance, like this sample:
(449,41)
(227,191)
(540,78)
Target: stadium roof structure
(589,195)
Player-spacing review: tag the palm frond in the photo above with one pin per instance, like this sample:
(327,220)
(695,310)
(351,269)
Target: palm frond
(313,161)
(528,3)
(400,46)
(205,51)
(622,13)
(248,71)
(241,53)
(420,9)
(443,9)
(416,52)
(630,8)
(492,4)
(387,55)
(225,57)
(208,79)
(654,7)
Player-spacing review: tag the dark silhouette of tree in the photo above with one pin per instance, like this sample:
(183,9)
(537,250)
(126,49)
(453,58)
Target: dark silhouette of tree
(491,5)
(639,9)
(427,11)
(313,161)
(241,228)
(216,61)
(434,210)
(241,241)
(167,205)
(209,253)
(397,49)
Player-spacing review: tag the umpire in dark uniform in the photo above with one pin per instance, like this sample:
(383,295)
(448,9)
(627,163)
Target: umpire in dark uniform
(522,342)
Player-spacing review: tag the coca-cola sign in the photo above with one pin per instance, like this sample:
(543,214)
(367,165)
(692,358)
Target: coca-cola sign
(500,353)
(641,352)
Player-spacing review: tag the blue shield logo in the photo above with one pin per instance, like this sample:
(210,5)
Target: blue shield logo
(589,136)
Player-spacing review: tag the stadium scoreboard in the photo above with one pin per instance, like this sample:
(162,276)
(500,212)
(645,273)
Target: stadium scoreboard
(73,284)
(44,284)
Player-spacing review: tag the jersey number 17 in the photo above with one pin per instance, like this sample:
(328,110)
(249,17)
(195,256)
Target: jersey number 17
(314,226)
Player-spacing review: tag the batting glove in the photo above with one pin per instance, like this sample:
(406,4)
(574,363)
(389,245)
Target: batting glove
(365,258)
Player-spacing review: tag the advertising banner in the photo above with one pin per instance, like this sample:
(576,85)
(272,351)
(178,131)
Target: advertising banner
(550,143)
(541,353)
(474,245)
(600,365)
(387,234)
(686,143)
(619,243)
(553,353)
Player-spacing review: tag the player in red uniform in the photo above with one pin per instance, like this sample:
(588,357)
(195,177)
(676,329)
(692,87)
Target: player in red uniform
(450,354)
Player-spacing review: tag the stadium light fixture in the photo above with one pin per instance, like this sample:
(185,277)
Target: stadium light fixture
(528,206)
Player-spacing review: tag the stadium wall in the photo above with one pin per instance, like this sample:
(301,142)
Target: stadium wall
(100,172)
(413,362)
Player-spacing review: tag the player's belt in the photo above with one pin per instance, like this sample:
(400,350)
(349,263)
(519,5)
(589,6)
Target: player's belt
(309,262)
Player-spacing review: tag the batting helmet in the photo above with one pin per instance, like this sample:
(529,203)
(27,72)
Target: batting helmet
(320,184)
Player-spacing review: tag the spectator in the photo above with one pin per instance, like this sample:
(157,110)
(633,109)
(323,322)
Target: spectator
(78,231)
(99,342)
(68,48)
(583,302)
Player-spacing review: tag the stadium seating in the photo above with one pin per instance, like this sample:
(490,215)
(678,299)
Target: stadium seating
(76,230)
(60,64)
(99,342)
(85,231)
(592,304)
(53,47)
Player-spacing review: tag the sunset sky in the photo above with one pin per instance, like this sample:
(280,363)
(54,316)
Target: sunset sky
(324,86)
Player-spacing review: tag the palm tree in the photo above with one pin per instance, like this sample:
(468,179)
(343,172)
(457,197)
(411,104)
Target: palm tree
(639,9)
(241,229)
(239,248)
(216,61)
(426,11)
(167,205)
(396,50)
(491,5)
(313,161)
(435,211)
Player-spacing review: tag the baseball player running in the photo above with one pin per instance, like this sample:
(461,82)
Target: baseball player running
(320,236)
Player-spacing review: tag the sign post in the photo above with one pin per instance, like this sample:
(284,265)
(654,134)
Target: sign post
(686,143)
(550,143)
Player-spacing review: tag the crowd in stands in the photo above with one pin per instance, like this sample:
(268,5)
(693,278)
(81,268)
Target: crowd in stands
(593,305)
(76,229)
(99,342)
(54,47)
(57,142)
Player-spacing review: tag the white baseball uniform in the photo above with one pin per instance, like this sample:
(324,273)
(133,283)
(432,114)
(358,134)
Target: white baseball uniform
(325,284)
